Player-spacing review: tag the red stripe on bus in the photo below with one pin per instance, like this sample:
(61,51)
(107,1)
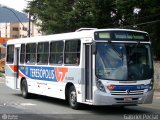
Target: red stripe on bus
(20,74)
(13,67)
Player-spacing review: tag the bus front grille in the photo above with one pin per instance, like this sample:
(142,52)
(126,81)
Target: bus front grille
(127,92)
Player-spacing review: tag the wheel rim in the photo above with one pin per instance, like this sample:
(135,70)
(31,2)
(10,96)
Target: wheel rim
(73,98)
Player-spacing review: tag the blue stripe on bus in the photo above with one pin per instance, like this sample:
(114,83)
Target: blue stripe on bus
(40,73)
(131,87)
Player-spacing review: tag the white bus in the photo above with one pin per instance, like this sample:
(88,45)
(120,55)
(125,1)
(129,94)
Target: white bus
(89,66)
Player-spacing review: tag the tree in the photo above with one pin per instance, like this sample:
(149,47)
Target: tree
(52,14)
(69,15)
(147,19)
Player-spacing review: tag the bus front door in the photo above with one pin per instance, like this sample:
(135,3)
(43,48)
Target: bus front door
(88,72)
(17,67)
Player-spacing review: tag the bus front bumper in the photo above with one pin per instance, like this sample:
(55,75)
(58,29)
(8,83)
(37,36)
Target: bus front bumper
(103,98)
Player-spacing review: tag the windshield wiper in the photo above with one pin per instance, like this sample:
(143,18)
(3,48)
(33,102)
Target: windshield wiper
(119,54)
(133,51)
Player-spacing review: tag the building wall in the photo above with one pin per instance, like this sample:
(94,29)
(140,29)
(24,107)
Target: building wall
(17,30)
(12,31)
(5,30)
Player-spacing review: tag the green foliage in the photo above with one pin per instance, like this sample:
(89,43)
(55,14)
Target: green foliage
(68,15)
(1,74)
(148,18)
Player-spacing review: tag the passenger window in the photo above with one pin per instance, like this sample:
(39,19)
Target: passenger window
(22,54)
(42,53)
(10,53)
(72,52)
(31,53)
(56,52)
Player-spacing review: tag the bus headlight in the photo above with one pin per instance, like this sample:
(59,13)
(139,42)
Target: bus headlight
(100,86)
(151,85)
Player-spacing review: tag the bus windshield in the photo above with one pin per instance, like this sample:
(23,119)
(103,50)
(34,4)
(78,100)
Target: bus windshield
(121,61)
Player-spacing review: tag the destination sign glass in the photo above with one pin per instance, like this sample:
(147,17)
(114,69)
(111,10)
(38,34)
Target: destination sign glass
(121,36)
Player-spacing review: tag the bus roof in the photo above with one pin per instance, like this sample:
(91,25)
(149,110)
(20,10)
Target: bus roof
(64,36)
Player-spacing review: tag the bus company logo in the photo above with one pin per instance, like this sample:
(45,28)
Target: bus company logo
(128,91)
(60,73)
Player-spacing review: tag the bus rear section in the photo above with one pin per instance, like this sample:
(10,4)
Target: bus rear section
(11,71)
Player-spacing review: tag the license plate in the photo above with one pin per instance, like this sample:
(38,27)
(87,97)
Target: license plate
(127,99)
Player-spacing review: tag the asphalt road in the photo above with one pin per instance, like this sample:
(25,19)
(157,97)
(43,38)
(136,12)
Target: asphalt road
(14,107)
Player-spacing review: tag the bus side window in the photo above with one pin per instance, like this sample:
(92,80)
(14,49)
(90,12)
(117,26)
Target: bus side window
(56,52)
(43,53)
(31,53)
(72,52)
(10,53)
(22,54)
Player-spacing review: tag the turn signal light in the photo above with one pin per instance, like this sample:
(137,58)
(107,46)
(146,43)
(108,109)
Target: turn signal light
(111,87)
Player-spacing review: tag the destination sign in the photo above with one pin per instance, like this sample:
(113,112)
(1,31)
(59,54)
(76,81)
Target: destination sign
(121,36)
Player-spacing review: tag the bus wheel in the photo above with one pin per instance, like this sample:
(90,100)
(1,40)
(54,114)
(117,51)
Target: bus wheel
(73,98)
(24,89)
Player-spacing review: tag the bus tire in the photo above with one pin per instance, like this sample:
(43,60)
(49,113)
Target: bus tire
(24,89)
(72,99)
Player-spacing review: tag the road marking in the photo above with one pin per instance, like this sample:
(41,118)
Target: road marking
(27,104)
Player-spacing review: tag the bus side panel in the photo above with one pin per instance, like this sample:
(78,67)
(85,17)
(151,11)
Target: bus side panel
(74,75)
(51,81)
(10,75)
(46,88)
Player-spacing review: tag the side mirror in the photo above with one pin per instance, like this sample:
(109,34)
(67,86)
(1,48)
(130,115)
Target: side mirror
(94,49)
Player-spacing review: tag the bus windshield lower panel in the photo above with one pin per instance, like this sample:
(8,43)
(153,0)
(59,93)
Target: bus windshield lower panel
(117,61)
